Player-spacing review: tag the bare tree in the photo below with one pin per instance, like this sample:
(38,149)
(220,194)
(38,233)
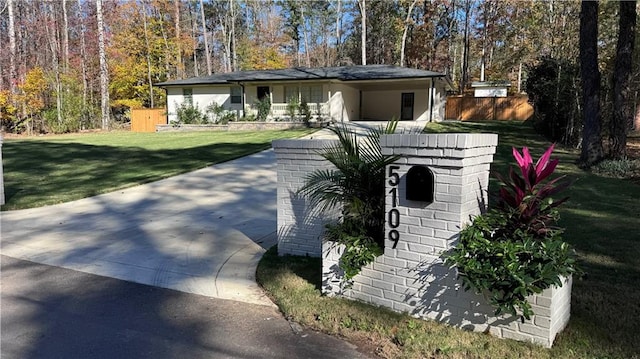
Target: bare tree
(13,73)
(104,70)
(54,46)
(362,4)
(622,113)
(83,53)
(179,72)
(193,17)
(205,36)
(339,30)
(146,42)
(305,36)
(406,31)
(65,35)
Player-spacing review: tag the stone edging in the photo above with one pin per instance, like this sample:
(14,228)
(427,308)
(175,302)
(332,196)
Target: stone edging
(232,126)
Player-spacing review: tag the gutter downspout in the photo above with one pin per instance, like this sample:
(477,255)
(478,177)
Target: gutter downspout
(242,101)
(431,95)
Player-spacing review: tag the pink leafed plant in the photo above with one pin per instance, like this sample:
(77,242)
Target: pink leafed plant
(528,194)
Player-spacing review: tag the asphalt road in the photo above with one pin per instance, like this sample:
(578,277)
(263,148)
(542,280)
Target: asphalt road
(51,312)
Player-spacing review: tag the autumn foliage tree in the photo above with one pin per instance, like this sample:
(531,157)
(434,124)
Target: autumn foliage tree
(150,41)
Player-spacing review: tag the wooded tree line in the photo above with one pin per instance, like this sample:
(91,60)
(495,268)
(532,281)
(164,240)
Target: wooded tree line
(73,64)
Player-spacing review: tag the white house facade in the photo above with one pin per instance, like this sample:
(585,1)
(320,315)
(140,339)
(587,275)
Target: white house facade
(338,94)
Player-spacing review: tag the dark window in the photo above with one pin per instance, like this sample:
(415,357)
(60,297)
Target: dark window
(188,95)
(236,94)
(263,92)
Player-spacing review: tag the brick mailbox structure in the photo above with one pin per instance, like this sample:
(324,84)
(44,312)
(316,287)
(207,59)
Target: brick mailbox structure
(451,172)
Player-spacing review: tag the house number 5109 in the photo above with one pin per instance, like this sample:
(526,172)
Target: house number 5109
(393,217)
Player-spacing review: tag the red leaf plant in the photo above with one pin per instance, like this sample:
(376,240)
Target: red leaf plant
(527,196)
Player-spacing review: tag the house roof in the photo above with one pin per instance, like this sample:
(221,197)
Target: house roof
(342,73)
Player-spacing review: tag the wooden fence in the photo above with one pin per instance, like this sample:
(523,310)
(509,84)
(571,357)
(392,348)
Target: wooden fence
(488,108)
(146,119)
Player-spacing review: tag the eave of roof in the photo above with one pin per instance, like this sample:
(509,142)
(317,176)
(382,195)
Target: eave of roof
(342,73)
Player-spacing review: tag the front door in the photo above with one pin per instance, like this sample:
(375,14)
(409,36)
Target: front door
(406,113)
(263,92)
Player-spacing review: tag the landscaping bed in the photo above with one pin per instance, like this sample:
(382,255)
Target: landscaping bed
(601,217)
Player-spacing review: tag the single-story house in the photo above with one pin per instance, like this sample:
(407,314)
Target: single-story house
(344,93)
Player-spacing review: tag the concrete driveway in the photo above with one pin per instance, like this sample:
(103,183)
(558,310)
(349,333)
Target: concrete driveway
(202,232)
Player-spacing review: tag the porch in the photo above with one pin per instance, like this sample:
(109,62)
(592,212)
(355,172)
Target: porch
(282,111)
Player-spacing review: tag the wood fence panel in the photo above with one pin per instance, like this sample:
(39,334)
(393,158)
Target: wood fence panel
(146,119)
(488,108)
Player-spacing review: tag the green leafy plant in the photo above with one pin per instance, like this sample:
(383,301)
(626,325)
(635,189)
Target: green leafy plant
(189,114)
(357,185)
(515,250)
(264,109)
(305,112)
(292,108)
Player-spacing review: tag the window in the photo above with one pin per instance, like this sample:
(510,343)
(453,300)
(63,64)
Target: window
(290,93)
(311,94)
(316,94)
(236,94)
(187,94)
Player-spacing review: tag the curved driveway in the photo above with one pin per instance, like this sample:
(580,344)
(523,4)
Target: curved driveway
(202,232)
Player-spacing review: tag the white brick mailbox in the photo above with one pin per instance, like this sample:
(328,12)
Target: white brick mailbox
(300,227)
(420,226)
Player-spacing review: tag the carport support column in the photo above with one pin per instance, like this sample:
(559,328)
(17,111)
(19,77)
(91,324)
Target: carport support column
(300,227)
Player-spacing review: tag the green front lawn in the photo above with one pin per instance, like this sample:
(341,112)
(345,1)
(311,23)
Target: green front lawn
(47,170)
(602,221)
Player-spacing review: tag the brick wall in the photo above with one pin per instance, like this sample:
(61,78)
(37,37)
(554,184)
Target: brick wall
(412,276)
(300,227)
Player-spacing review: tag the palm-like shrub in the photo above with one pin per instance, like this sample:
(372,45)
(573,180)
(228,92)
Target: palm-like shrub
(357,186)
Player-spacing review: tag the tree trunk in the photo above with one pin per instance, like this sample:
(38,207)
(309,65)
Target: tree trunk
(622,114)
(146,42)
(234,58)
(465,52)
(179,73)
(54,46)
(65,36)
(13,74)
(205,35)
(305,35)
(405,31)
(363,26)
(338,32)
(193,17)
(104,70)
(83,55)
(591,133)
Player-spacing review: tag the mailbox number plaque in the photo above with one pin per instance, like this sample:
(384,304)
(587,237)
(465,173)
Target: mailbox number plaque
(393,217)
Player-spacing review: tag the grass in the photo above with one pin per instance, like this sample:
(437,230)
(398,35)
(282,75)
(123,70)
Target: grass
(602,221)
(40,171)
